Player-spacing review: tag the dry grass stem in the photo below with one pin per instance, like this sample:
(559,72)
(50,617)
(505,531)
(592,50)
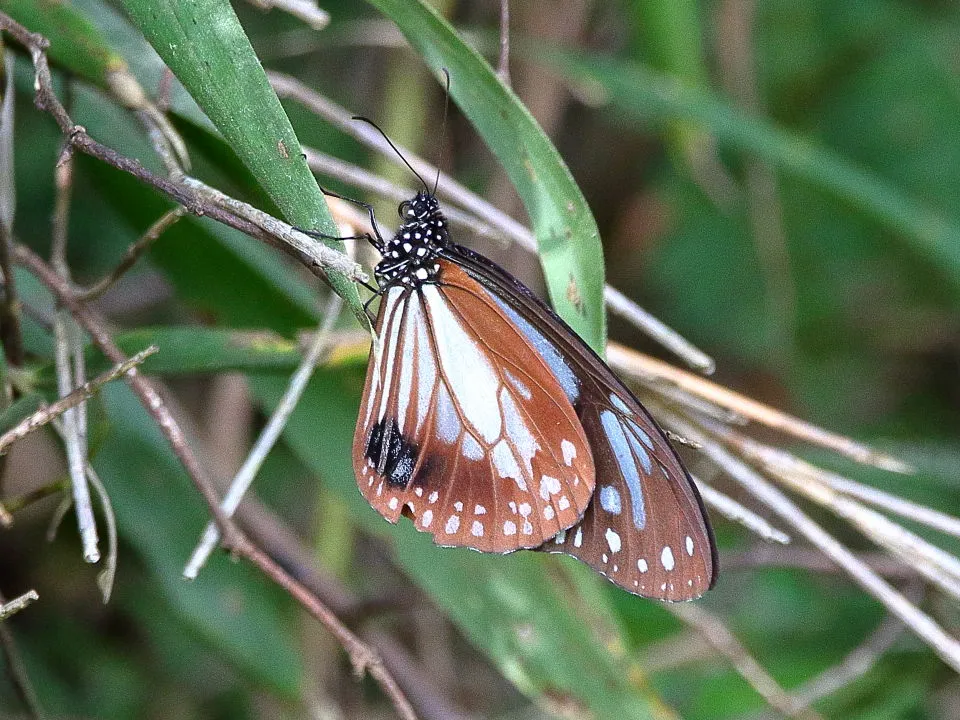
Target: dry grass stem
(735,512)
(654,372)
(268,437)
(921,624)
(726,643)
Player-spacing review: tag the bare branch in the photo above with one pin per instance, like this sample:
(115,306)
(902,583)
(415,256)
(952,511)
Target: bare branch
(17,604)
(10,331)
(45,414)
(503,62)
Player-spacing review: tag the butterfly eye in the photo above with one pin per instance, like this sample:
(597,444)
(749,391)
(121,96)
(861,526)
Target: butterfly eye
(404,206)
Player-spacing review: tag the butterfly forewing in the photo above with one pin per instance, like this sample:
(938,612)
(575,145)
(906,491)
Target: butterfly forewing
(463,425)
(645,528)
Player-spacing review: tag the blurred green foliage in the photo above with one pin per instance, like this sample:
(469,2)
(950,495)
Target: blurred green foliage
(860,128)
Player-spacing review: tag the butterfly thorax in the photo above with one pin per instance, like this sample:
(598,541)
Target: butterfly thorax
(410,257)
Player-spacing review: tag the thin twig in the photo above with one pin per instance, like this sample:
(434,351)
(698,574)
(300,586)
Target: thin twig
(732,510)
(652,371)
(106,576)
(278,541)
(10,331)
(292,237)
(919,622)
(503,62)
(15,667)
(289,87)
(855,665)
(904,508)
(45,414)
(726,643)
(764,555)
(68,347)
(315,255)
(14,606)
(132,254)
(269,436)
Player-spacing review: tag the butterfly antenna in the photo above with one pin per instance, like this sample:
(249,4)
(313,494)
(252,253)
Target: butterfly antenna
(390,143)
(443,130)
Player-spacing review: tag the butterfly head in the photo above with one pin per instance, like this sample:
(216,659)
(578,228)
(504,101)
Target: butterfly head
(410,257)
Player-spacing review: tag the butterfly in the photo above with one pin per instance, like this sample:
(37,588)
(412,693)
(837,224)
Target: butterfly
(490,424)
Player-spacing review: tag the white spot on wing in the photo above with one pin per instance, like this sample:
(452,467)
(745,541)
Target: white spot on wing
(642,565)
(564,503)
(477,529)
(393,503)
(569,451)
(689,546)
(479,510)
(548,486)
(427,518)
(666,558)
(509,528)
(453,524)
(578,538)
(610,500)
(613,540)
(548,512)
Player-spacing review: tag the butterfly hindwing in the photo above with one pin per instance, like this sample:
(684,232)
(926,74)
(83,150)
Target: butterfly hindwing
(464,427)
(646,528)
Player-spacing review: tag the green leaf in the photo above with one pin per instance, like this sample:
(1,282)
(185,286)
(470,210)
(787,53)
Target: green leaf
(204,45)
(652,97)
(552,638)
(567,235)
(235,610)
(75,43)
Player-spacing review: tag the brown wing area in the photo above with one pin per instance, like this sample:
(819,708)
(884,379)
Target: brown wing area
(646,528)
(463,426)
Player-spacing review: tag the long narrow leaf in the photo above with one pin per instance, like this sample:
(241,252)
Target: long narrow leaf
(567,234)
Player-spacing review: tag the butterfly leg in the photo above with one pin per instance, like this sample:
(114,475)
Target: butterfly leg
(379,242)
